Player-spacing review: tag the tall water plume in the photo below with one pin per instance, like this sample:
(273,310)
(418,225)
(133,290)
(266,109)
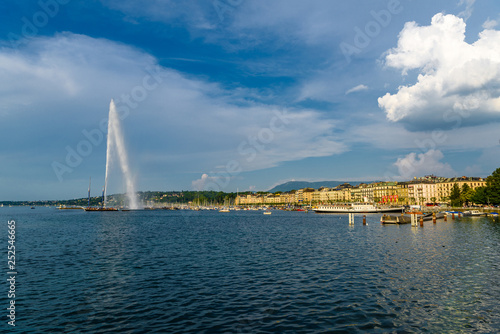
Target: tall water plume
(116,146)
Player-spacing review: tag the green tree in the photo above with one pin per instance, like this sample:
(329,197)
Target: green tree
(479,196)
(466,194)
(455,195)
(493,187)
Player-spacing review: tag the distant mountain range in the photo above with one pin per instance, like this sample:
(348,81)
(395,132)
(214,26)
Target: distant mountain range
(296,185)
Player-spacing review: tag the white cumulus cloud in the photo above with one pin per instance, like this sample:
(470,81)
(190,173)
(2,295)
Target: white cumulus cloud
(456,79)
(421,164)
(204,183)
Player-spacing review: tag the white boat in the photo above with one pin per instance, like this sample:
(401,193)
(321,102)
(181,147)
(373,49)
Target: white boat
(473,213)
(224,210)
(267,212)
(355,208)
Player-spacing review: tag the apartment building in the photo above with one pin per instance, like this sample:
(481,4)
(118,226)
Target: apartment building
(385,192)
(444,187)
(422,192)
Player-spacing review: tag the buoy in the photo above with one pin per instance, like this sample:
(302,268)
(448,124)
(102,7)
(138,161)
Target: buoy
(434,218)
(421,221)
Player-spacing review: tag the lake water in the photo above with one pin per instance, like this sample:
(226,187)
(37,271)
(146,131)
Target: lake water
(245,272)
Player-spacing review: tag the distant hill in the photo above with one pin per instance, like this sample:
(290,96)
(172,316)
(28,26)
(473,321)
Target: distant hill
(291,185)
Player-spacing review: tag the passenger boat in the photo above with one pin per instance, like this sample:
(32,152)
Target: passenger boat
(355,208)
(473,213)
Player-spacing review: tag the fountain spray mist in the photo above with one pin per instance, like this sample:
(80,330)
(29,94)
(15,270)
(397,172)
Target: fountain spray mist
(116,145)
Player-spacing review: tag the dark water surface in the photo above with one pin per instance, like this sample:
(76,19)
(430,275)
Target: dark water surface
(245,272)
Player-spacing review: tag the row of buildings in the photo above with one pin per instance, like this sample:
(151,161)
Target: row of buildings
(420,191)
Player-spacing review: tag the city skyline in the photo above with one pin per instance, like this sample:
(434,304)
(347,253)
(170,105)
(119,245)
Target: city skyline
(226,95)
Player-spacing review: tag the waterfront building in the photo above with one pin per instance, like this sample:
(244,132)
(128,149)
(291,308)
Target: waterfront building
(299,196)
(307,195)
(444,187)
(316,196)
(420,191)
(402,193)
(362,193)
(270,199)
(332,196)
(322,195)
(341,193)
(356,193)
(285,198)
(345,194)
(386,192)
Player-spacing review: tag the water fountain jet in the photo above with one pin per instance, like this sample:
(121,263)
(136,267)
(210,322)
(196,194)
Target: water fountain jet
(116,146)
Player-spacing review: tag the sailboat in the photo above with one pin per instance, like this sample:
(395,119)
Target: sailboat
(225,208)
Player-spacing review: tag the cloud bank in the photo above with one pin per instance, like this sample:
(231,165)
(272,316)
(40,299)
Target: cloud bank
(458,83)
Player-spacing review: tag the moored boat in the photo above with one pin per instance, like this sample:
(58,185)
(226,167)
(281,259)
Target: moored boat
(70,208)
(473,213)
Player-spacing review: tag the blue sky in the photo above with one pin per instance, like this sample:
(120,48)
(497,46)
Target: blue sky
(240,94)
